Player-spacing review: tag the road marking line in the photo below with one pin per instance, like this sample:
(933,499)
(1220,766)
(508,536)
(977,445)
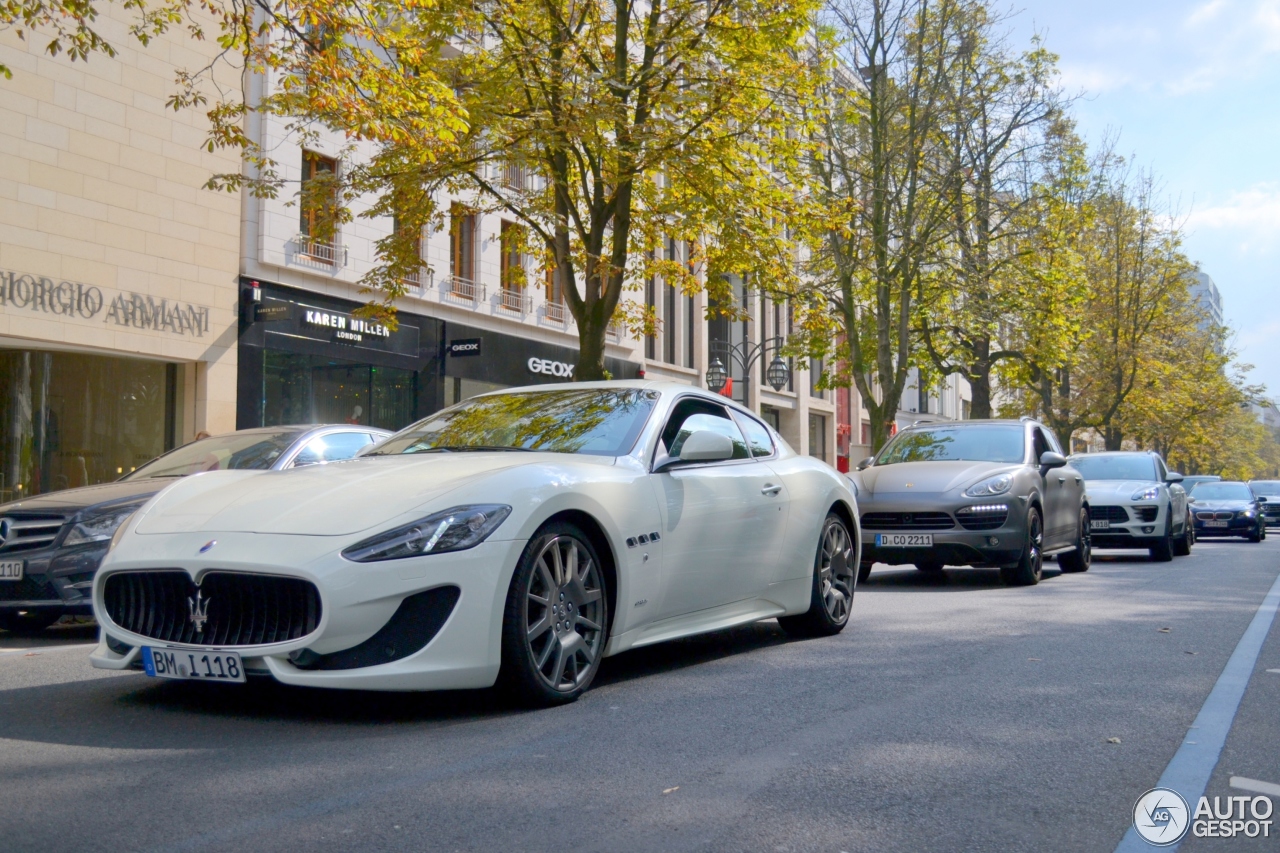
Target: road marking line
(1255,785)
(1277,671)
(37,650)
(1191,766)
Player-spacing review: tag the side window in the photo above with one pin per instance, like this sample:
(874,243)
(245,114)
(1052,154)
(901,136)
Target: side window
(1039,444)
(758,438)
(690,415)
(1053,440)
(1162,473)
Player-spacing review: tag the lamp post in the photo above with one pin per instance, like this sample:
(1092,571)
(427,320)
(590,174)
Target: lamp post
(746,354)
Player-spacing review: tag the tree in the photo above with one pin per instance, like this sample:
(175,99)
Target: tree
(999,105)
(879,181)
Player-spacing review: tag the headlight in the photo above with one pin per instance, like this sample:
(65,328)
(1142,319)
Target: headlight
(997,485)
(1248,513)
(452,530)
(1149,494)
(99,528)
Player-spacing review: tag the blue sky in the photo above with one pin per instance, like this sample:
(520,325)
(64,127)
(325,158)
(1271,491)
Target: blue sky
(1193,90)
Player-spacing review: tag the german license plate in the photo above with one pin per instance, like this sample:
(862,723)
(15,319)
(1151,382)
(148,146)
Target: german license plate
(1100,525)
(192,665)
(11,570)
(1216,523)
(904,540)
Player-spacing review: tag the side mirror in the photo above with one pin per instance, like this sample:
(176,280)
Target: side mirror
(700,446)
(865,463)
(1049,459)
(1173,477)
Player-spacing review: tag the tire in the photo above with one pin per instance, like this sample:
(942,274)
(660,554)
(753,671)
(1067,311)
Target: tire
(556,620)
(864,572)
(1182,545)
(931,568)
(1081,558)
(833,585)
(31,622)
(1255,536)
(1162,551)
(1030,565)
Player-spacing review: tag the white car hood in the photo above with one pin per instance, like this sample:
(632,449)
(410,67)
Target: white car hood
(324,500)
(920,478)
(1116,490)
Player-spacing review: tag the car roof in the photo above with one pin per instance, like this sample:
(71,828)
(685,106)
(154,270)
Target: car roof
(1118,453)
(304,428)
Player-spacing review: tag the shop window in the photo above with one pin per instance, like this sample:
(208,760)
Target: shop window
(818,436)
(319,207)
(457,389)
(76,420)
(462,250)
(306,389)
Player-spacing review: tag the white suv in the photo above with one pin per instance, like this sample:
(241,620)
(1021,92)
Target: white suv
(1135,501)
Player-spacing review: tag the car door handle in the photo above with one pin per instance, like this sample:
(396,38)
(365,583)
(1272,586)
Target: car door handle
(771,489)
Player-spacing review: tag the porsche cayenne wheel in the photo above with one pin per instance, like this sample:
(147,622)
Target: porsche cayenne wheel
(833,585)
(556,619)
(1081,558)
(1026,572)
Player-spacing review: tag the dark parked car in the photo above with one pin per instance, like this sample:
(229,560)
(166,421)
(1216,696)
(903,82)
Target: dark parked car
(1268,491)
(1227,509)
(973,493)
(51,544)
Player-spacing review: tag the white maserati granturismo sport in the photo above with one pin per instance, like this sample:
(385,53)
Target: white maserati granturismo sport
(517,538)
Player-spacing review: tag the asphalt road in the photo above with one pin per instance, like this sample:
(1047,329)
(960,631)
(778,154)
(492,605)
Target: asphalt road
(952,714)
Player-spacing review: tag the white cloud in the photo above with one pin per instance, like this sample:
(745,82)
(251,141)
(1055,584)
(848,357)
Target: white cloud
(1252,214)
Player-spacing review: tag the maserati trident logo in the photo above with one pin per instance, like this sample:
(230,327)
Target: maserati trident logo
(199,610)
(6,528)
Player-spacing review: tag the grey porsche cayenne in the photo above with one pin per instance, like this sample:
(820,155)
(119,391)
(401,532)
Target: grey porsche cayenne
(993,493)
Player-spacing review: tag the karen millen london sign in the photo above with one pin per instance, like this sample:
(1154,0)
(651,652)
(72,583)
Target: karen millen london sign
(84,301)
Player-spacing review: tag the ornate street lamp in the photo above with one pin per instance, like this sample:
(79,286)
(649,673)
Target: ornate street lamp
(778,373)
(717,376)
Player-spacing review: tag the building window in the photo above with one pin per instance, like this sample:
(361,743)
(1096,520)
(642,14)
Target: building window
(462,250)
(414,276)
(690,315)
(866,434)
(816,368)
(772,417)
(511,241)
(319,206)
(964,410)
(818,436)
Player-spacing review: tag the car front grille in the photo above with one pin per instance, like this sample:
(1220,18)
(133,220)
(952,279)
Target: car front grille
(242,609)
(1113,514)
(29,532)
(1148,513)
(907,521)
(1215,516)
(28,589)
(1271,509)
(983,516)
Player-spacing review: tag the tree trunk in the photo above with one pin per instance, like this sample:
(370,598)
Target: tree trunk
(591,333)
(980,385)
(1113,436)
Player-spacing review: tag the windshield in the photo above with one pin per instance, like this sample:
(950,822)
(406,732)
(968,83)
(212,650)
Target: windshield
(595,421)
(988,443)
(1222,492)
(252,450)
(1139,466)
(1270,488)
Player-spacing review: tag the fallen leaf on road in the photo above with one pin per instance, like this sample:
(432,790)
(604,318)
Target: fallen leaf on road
(1035,659)
(31,654)
(1113,740)
(669,790)
(1164,630)
(1188,653)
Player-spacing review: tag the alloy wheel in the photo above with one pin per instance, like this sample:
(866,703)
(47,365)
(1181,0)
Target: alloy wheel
(835,572)
(564,613)
(1035,542)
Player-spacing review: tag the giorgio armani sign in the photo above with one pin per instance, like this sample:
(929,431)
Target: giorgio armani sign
(88,302)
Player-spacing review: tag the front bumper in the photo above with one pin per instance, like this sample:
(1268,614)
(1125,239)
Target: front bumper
(358,600)
(54,579)
(1130,524)
(954,546)
(1235,527)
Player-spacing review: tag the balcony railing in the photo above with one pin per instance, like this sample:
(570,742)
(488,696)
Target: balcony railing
(463,290)
(320,251)
(414,279)
(515,300)
(556,312)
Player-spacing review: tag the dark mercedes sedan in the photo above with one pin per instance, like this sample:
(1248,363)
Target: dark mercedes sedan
(51,544)
(1268,491)
(1227,509)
